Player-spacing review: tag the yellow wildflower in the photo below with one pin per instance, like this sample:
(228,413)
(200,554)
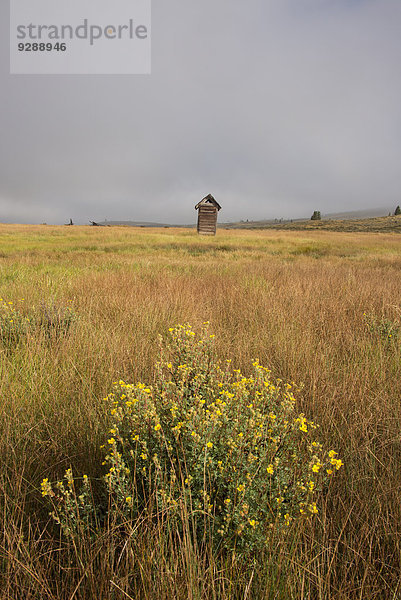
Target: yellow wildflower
(46,488)
(316,466)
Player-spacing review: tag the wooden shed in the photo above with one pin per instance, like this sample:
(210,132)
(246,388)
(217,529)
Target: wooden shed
(207,215)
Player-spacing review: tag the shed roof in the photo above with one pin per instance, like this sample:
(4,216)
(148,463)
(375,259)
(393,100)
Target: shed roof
(208,200)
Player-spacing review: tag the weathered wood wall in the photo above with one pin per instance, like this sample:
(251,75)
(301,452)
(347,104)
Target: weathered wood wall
(207,220)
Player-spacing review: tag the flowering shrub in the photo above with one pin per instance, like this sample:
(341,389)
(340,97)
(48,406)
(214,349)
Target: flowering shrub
(77,511)
(210,449)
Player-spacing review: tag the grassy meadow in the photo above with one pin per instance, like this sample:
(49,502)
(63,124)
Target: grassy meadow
(318,308)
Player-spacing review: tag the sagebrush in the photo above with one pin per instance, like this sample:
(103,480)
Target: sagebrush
(222,453)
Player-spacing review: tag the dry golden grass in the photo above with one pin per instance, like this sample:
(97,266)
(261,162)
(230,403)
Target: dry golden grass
(295,300)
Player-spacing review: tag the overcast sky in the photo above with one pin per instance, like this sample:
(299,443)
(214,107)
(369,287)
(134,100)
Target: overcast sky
(276,107)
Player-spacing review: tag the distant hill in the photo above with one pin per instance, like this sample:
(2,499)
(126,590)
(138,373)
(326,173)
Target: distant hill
(374,224)
(373,219)
(361,214)
(343,216)
(139,224)
(258,224)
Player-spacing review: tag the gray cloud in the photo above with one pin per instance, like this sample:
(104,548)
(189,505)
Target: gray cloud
(277,107)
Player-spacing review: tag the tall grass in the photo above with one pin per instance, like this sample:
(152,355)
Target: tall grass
(293,300)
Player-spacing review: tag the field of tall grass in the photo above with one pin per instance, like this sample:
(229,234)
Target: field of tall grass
(320,309)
